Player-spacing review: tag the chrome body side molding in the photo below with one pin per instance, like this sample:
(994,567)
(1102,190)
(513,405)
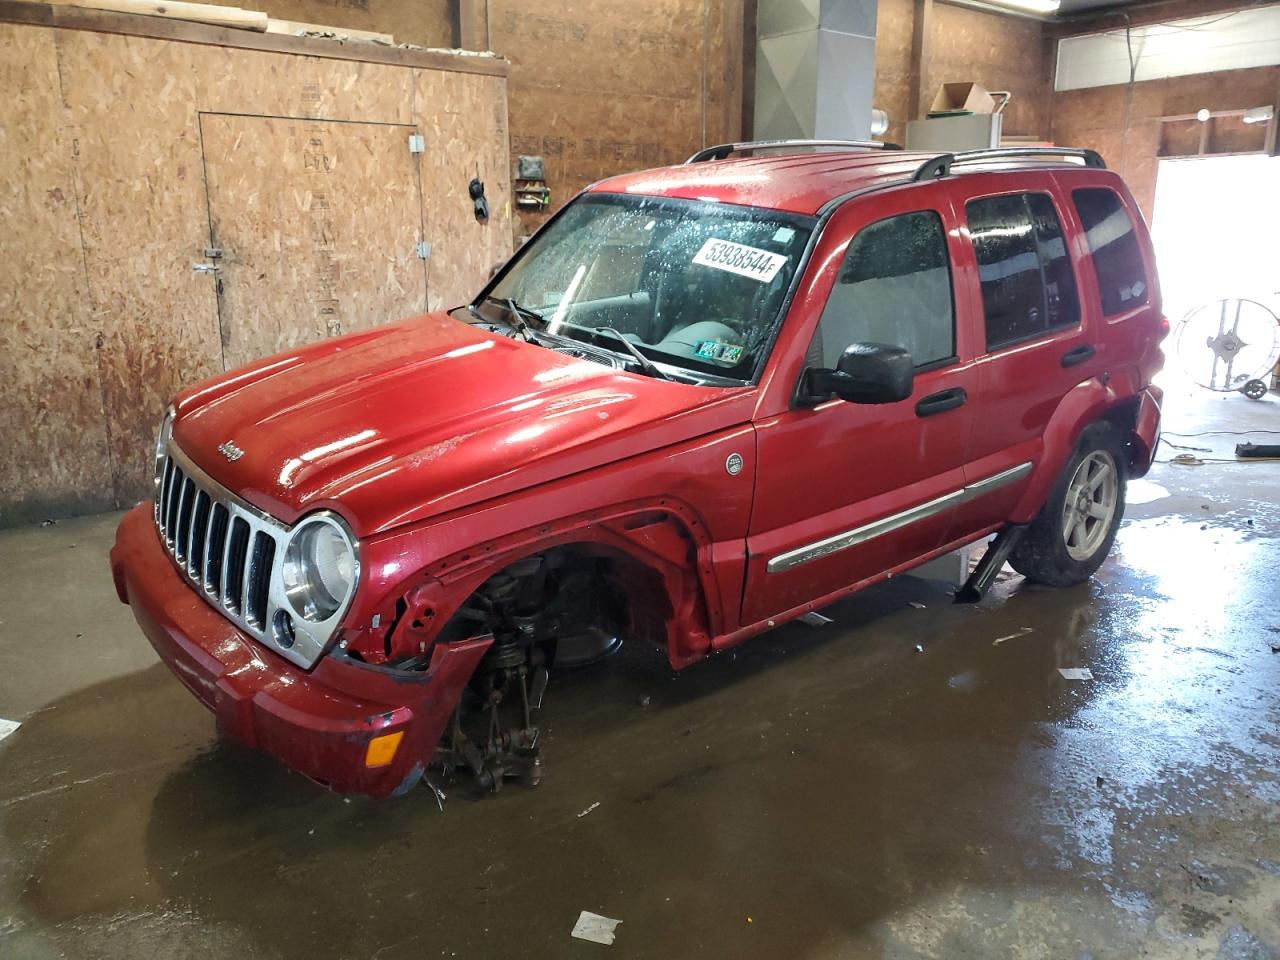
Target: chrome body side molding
(878,528)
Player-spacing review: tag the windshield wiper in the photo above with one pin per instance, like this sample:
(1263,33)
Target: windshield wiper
(647,365)
(518,313)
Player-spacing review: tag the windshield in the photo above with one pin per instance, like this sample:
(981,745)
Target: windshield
(692,284)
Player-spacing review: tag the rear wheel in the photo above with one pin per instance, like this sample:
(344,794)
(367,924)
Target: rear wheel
(1074,531)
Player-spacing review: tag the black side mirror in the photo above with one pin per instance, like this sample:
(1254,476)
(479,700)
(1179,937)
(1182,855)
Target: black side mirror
(866,373)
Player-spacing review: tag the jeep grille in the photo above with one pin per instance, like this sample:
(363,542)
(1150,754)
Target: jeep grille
(226,549)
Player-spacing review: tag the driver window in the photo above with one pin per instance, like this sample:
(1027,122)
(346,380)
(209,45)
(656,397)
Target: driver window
(894,287)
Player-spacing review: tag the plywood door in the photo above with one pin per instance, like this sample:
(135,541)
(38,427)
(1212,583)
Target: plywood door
(318,223)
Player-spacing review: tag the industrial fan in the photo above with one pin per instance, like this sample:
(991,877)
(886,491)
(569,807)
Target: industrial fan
(1229,345)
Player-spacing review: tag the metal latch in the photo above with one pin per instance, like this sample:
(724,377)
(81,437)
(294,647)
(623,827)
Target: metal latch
(423,250)
(417,143)
(205,267)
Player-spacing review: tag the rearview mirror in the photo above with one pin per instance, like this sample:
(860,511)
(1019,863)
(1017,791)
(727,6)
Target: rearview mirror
(866,373)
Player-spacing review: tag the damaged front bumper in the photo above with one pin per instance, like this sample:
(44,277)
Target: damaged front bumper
(320,723)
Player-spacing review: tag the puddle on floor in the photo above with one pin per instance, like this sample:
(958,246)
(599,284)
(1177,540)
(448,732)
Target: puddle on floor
(1143,491)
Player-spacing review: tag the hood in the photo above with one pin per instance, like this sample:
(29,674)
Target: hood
(408,421)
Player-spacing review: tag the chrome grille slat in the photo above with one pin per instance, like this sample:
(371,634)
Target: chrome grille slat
(199,528)
(182,529)
(219,521)
(162,494)
(250,568)
(171,507)
(237,564)
(258,579)
(201,572)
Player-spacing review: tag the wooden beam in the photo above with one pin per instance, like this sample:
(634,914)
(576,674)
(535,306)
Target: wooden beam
(470,24)
(106,21)
(921,30)
(218,16)
(748,125)
(294,28)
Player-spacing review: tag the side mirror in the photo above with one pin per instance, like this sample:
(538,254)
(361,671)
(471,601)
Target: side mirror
(866,373)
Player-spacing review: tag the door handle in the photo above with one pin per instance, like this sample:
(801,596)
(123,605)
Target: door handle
(1078,355)
(941,402)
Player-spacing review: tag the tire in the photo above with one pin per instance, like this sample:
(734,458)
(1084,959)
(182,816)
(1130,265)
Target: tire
(1064,546)
(1255,389)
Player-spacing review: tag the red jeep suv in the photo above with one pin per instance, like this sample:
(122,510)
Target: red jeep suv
(700,402)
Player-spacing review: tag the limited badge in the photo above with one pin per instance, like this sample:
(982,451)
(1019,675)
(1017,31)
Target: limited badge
(733,466)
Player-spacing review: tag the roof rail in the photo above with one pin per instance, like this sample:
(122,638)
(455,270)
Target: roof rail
(722,150)
(941,165)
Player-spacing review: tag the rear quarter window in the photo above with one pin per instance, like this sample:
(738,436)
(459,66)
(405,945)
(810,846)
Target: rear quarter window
(1113,245)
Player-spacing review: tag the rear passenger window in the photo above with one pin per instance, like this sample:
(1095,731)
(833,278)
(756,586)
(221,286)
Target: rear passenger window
(1117,261)
(1028,287)
(894,287)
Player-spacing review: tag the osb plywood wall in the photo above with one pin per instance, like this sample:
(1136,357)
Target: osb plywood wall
(600,87)
(1121,122)
(105,210)
(52,445)
(999,52)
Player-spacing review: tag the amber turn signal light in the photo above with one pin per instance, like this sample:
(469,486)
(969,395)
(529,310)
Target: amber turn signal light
(382,750)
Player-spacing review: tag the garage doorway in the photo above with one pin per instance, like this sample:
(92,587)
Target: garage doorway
(314,229)
(1214,229)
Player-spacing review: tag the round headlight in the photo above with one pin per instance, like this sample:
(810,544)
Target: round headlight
(319,569)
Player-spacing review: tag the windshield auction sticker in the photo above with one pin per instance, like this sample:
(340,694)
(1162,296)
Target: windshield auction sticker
(737,258)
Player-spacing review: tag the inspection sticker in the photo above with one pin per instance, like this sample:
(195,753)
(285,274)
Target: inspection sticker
(760,265)
(715,350)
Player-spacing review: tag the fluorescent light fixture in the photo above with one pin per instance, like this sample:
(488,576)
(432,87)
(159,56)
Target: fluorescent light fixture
(1259,115)
(1033,6)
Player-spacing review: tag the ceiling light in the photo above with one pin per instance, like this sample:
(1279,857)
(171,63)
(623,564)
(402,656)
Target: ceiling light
(1259,115)
(1034,6)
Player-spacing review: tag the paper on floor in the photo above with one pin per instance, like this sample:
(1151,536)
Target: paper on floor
(1076,673)
(593,927)
(7,727)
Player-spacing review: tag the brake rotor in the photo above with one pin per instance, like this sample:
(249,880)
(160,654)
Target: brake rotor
(1224,344)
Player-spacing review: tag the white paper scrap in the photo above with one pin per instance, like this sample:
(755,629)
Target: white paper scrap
(1076,673)
(593,927)
(7,727)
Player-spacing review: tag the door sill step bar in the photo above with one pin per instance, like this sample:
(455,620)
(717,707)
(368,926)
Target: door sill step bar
(984,574)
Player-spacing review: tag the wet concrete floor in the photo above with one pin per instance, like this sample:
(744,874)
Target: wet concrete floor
(817,793)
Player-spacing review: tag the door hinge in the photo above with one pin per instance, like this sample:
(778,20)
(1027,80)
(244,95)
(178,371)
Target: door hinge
(423,250)
(417,143)
(213,253)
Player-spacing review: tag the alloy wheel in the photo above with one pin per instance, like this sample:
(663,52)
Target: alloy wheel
(1090,505)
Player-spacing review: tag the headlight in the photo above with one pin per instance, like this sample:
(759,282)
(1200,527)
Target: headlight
(320,567)
(162,444)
